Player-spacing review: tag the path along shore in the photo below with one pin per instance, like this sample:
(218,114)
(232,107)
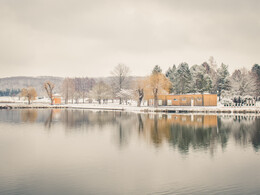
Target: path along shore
(129,108)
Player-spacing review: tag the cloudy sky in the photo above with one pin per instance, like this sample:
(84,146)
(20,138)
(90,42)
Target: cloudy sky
(89,38)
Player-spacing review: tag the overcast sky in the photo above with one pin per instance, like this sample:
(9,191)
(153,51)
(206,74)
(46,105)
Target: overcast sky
(89,38)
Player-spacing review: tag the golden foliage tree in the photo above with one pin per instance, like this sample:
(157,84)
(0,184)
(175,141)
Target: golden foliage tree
(158,83)
(29,93)
(49,86)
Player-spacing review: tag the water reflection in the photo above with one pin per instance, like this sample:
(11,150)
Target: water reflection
(244,129)
(183,132)
(29,116)
(85,152)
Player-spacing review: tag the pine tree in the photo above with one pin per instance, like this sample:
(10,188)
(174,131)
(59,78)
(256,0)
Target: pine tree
(201,81)
(182,80)
(170,75)
(157,69)
(211,70)
(223,82)
(256,74)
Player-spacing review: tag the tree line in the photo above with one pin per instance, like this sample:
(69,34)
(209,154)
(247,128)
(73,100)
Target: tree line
(10,92)
(207,77)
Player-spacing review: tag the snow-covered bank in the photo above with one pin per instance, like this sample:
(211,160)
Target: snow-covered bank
(131,108)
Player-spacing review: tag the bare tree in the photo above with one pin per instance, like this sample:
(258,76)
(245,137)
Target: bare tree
(139,87)
(101,91)
(120,79)
(72,90)
(125,95)
(29,93)
(65,89)
(82,87)
(49,86)
(243,83)
(68,89)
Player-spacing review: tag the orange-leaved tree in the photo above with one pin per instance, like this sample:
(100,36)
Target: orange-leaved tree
(29,93)
(158,83)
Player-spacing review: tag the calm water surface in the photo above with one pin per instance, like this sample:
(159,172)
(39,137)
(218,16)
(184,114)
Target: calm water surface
(49,152)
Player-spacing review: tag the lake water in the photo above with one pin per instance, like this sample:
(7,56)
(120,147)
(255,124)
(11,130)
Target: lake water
(78,152)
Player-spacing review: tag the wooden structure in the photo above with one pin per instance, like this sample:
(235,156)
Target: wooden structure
(185,100)
(56,99)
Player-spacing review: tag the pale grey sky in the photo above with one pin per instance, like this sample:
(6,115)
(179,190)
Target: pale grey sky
(89,38)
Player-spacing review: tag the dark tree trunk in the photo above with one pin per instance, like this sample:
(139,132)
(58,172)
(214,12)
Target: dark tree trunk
(140,122)
(155,92)
(140,96)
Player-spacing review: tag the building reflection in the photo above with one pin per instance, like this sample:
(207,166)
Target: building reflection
(182,131)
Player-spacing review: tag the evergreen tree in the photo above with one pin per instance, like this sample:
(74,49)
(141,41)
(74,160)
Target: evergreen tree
(182,80)
(256,69)
(201,81)
(170,72)
(211,70)
(223,82)
(256,73)
(10,92)
(157,69)
(170,75)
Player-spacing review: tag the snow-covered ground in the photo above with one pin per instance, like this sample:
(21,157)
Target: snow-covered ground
(132,108)
(14,102)
(9,99)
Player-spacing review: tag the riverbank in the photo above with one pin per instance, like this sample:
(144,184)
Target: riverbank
(130,108)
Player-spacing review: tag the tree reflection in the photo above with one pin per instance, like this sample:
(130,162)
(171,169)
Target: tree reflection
(48,122)
(245,129)
(255,135)
(140,123)
(29,115)
(203,132)
(183,132)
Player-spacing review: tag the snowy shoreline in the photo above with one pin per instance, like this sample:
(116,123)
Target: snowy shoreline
(129,108)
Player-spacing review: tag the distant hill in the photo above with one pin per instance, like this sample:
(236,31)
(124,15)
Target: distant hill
(20,82)
(36,82)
